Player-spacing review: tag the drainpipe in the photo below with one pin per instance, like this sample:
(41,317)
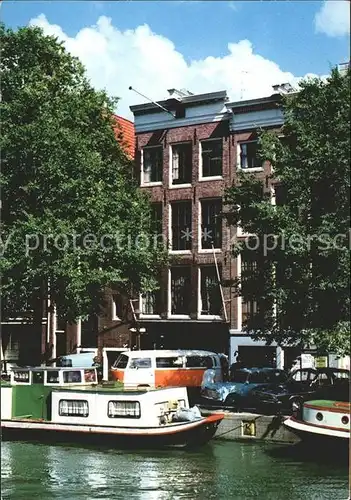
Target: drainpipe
(220,285)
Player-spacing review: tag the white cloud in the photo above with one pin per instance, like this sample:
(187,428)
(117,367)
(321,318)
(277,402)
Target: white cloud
(151,64)
(333,18)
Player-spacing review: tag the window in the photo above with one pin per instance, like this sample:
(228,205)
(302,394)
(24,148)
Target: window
(38,377)
(73,408)
(152,164)
(176,362)
(89,376)
(52,377)
(239,376)
(249,302)
(151,303)
(211,155)
(123,409)
(180,290)
(181,163)
(60,324)
(156,218)
(121,362)
(21,377)
(210,295)
(140,363)
(211,223)
(72,377)
(199,362)
(248,155)
(181,225)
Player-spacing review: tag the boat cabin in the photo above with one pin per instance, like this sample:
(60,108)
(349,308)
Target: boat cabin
(53,376)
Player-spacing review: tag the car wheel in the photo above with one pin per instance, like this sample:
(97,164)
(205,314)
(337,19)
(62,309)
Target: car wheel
(232,401)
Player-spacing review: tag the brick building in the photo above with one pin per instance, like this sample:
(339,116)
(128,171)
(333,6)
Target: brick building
(189,149)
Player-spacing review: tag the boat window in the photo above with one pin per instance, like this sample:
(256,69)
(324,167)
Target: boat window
(72,377)
(89,376)
(123,409)
(199,362)
(175,362)
(38,377)
(238,376)
(21,377)
(140,363)
(73,408)
(52,377)
(121,361)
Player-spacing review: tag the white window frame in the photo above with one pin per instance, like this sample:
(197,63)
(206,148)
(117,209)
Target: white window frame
(209,317)
(210,177)
(238,158)
(170,234)
(199,224)
(169,300)
(142,181)
(170,169)
(143,315)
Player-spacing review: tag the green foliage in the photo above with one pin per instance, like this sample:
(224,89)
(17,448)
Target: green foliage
(64,177)
(302,281)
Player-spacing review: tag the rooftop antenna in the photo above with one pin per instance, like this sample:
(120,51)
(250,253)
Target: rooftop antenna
(153,102)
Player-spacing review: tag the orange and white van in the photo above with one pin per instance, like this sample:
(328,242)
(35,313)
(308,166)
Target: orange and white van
(162,368)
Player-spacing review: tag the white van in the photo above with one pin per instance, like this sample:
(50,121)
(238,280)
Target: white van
(163,368)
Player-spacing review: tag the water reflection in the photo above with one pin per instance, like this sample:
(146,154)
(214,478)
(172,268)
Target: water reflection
(220,470)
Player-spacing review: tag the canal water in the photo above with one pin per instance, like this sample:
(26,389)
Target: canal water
(219,470)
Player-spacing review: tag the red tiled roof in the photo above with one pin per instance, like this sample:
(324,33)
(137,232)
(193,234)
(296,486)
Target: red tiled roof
(124,131)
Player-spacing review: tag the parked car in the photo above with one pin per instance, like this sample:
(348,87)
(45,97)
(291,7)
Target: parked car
(237,392)
(302,385)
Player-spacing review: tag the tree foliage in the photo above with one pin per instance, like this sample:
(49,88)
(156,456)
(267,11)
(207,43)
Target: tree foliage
(73,219)
(301,276)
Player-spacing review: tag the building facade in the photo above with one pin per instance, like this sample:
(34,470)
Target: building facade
(189,150)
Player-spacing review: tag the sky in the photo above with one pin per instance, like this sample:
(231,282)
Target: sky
(243,47)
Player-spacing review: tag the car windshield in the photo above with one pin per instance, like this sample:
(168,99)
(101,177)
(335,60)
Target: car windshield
(238,376)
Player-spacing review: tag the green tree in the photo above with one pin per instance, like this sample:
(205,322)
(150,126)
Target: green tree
(73,219)
(301,279)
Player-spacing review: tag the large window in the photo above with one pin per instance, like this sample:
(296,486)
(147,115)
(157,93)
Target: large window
(211,158)
(180,290)
(156,218)
(140,363)
(211,223)
(123,409)
(181,163)
(151,303)
(181,225)
(72,377)
(210,296)
(73,408)
(152,164)
(248,155)
(249,303)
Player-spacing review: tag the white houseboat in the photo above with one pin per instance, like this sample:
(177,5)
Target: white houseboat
(67,404)
(323,421)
